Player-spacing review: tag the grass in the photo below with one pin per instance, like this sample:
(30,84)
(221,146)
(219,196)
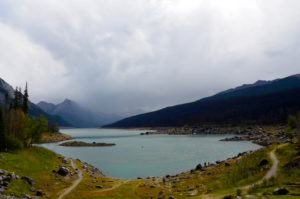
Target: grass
(217,180)
(36,163)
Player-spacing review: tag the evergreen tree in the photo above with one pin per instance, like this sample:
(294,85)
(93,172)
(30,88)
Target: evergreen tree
(25,100)
(16,98)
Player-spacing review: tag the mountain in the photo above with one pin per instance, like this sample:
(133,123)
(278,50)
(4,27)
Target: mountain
(264,102)
(34,110)
(76,114)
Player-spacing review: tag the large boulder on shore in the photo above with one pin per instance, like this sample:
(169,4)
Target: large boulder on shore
(63,171)
(280,191)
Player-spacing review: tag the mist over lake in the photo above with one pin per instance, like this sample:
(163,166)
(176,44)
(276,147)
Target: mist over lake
(149,155)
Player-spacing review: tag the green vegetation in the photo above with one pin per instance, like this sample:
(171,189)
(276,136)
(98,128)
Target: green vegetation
(17,128)
(292,122)
(36,163)
(79,143)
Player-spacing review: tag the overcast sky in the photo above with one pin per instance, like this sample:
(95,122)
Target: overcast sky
(130,56)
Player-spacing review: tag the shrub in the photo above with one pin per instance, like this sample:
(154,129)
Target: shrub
(13,143)
(292,122)
(238,192)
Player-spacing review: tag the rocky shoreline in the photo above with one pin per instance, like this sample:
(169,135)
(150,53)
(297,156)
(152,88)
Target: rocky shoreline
(263,136)
(54,137)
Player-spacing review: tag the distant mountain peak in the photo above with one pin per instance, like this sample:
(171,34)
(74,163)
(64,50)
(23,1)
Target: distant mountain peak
(67,101)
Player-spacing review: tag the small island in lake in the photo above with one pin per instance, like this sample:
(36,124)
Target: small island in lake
(80,143)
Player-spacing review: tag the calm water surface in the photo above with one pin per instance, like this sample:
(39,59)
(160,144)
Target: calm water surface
(149,155)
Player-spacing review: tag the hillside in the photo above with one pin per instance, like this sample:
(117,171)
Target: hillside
(34,110)
(267,103)
(76,114)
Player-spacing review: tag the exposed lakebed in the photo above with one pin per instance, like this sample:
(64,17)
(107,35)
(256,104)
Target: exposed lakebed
(135,155)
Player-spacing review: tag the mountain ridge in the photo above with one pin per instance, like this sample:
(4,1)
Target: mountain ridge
(257,100)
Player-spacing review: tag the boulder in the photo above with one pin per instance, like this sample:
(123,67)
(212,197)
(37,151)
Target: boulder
(12,175)
(28,180)
(264,162)
(280,191)
(199,167)
(65,161)
(172,197)
(6,178)
(32,189)
(25,196)
(227,164)
(99,186)
(5,184)
(63,171)
(2,172)
(39,193)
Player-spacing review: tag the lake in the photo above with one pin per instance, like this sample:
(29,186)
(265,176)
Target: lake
(136,155)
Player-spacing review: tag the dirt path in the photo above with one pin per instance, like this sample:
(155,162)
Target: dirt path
(76,182)
(272,172)
(114,187)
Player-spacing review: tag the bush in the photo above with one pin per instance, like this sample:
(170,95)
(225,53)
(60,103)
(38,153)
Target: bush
(292,122)
(13,143)
(238,192)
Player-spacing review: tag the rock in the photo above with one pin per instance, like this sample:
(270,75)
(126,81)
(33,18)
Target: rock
(263,162)
(24,195)
(94,181)
(280,191)
(5,184)
(53,171)
(199,167)
(12,175)
(172,197)
(2,189)
(35,197)
(28,180)
(65,161)
(2,172)
(39,193)
(63,171)
(32,189)
(6,178)
(227,164)
(99,186)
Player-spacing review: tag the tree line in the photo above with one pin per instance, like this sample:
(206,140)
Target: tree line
(17,128)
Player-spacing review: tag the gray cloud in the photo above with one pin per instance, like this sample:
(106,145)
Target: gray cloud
(129,56)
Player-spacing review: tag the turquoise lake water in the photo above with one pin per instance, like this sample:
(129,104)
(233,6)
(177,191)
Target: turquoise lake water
(149,155)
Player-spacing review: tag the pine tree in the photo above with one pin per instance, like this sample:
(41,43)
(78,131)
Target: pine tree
(25,100)
(16,100)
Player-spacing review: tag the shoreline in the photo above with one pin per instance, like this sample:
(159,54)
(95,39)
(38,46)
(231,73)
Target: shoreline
(54,138)
(215,163)
(263,136)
